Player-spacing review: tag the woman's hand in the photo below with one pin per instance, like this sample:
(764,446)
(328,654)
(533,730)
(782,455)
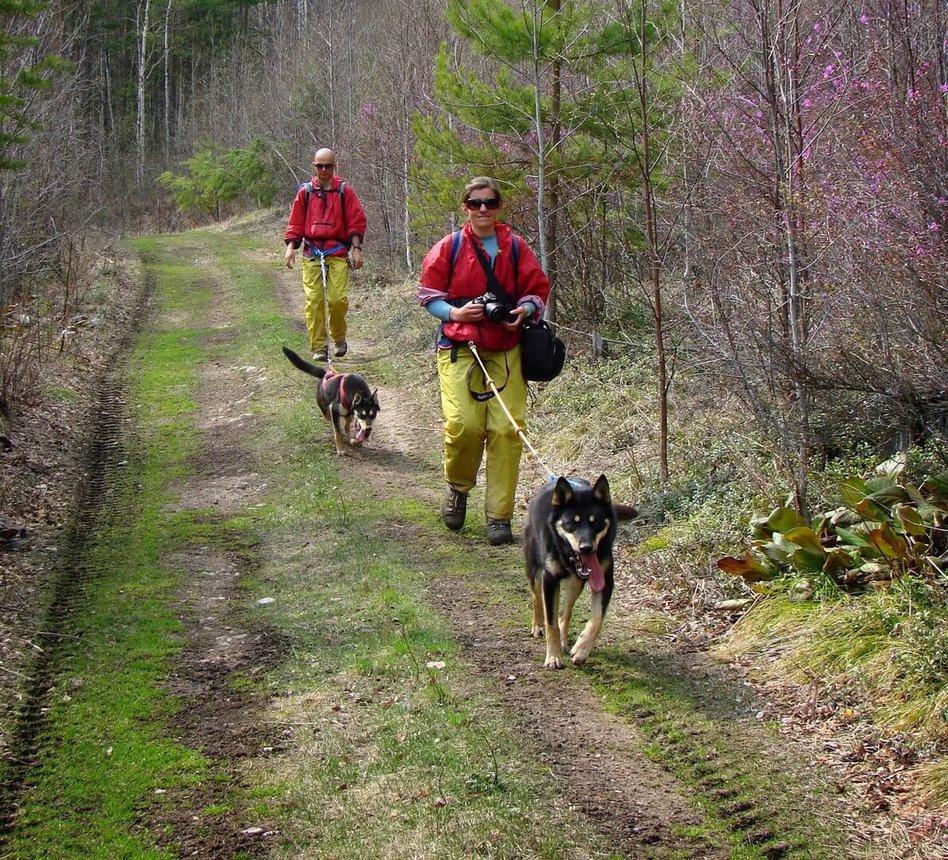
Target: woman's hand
(467,313)
(521,313)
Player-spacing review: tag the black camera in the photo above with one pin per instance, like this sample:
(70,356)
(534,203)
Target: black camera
(494,309)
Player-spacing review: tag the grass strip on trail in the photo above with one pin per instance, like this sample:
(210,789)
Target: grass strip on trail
(103,749)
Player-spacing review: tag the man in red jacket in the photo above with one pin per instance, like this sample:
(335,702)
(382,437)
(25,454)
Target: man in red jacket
(327,219)
(452,279)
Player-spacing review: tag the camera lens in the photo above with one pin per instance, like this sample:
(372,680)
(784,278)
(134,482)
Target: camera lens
(496,312)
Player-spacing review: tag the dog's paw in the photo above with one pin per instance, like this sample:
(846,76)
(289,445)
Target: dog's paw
(580,652)
(536,631)
(553,663)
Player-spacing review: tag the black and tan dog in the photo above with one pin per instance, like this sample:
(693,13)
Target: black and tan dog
(568,538)
(342,398)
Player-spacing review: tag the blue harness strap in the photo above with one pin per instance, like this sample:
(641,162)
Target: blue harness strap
(312,252)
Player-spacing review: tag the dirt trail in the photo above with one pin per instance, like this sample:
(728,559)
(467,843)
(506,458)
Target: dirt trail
(596,757)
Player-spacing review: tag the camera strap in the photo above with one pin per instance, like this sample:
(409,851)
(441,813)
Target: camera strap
(493,285)
(483,396)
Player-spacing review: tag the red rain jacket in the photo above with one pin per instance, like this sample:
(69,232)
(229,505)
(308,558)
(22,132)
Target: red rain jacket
(468,281)
(322,221)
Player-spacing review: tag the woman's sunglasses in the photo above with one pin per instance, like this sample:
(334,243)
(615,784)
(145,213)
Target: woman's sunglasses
(475,203)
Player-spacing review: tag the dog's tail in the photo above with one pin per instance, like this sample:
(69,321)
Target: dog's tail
(625,512)
(303,365)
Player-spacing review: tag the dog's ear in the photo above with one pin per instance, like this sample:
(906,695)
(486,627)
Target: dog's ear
(562,493)
(375,399)
(601,490)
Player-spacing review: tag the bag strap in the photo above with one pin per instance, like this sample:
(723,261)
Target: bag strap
(457,238)
(492,283)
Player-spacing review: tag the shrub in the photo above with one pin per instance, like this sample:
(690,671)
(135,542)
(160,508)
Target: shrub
(885,529)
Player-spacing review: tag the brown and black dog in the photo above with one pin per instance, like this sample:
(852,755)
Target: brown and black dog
(342,398)
(568,538)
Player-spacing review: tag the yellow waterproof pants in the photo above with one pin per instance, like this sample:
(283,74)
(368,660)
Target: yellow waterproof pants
(337,293)
(470,426)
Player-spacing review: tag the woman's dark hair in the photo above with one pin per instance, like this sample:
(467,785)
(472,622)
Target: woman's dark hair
(479,182)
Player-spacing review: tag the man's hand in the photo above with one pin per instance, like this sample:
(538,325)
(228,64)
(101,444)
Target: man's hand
(355,258)
(289,257)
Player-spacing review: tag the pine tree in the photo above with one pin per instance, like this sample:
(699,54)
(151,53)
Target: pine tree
(22,79)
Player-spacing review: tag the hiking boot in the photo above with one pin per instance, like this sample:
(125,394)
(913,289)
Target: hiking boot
(341,348)
(321,354)
(454,508)
(498,532)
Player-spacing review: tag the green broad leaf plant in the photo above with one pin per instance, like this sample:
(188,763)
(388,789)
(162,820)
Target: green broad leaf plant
(883,530)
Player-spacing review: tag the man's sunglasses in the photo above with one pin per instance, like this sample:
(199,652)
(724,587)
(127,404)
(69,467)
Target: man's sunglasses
(319,166)
(475,203)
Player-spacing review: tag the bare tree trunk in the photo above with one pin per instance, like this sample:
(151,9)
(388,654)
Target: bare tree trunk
(541,138)
(142,23)
(654,261)
(406,213)
(167,79)
(781,91)
(330,41)
(553,197)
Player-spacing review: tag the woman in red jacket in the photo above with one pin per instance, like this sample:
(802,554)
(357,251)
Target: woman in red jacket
(453,278)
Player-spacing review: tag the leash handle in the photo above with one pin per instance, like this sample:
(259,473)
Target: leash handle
(510,418)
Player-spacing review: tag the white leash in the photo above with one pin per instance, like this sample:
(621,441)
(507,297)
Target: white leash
(520,433)
(322,271)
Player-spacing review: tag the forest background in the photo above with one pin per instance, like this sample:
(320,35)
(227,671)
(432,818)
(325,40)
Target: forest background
(742,206)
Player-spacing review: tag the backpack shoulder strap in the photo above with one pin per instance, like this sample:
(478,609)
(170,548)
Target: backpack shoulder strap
(457,239)
(342,206)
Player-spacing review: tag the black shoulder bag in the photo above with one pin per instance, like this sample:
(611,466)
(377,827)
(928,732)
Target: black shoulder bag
(542,353)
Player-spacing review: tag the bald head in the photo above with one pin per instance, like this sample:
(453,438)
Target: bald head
(324,162)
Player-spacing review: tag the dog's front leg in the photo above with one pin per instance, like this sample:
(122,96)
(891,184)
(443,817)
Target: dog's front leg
(587,639)
(536,592)
(340,440)
(551,605)
(572,587)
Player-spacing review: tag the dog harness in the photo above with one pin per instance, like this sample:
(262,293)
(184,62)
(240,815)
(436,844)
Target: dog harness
(331,374)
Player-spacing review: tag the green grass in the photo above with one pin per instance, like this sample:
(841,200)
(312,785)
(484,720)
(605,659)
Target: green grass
(890,648)
(104,752)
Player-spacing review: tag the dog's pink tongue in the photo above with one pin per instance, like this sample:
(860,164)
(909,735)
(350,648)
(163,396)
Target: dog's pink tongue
(360,436)
(597,580)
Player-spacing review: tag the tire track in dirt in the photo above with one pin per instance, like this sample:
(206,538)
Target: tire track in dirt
(104,445)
